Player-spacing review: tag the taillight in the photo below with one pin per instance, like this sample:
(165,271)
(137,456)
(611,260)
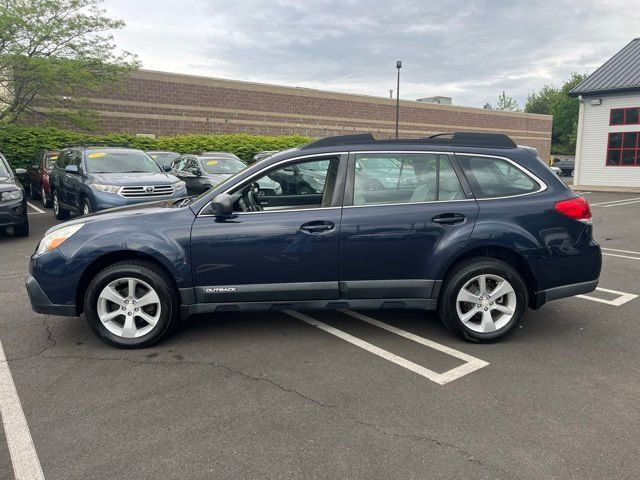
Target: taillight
(576,208)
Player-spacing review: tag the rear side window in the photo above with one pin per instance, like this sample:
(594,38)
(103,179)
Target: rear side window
(404,178)
(494,177)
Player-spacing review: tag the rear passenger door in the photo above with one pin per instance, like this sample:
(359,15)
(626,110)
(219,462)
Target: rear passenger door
(395,240)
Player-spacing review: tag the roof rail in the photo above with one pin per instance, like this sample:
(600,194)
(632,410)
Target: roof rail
(464,139)
(340,140)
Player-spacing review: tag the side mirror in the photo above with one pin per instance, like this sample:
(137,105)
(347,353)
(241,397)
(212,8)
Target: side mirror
(197,172)
(222,205)
(166,168)
(71,169)
(20,172)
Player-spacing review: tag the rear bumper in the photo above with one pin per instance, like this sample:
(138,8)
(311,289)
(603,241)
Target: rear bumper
(563,291)
(40,303)
(566,272)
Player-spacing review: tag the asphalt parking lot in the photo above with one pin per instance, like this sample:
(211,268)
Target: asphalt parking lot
(370,394)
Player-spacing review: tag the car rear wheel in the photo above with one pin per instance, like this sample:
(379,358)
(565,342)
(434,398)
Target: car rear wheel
(59,212)
(46,201)
(483,300)
(33,193)
(131,304)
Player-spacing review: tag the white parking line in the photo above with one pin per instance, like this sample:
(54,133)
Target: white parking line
(35,208)
(472,364)
(24,458)
(607,251)
(614,202)
(616,302)
(620,204)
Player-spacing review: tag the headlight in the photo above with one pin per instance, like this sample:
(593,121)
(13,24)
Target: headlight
(391,180)
(11,195)
(106,188)
(57,237)
(179,185)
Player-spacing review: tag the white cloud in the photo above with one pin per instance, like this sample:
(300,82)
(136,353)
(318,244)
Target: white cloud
(471,50)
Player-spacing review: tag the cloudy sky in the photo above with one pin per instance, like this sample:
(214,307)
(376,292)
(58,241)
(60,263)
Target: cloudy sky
(469,50)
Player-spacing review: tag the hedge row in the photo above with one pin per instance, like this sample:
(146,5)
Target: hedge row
(20,145)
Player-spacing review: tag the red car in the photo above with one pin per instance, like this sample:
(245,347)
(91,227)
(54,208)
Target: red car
(38,184)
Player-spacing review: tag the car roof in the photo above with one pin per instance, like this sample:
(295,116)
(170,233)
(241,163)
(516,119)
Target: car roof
(460,142)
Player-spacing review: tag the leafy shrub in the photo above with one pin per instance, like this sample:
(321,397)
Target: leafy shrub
(20,144)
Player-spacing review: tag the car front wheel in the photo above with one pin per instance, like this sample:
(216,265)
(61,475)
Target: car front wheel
(131,304)
(59,212)
(483,300)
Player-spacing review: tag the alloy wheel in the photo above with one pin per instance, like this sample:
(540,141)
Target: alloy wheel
(129,307)
(486,303)
(56,204)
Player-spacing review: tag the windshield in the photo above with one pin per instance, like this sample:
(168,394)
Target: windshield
(222,165)
(120,161)
(4,172)
(50,160)
(165,158)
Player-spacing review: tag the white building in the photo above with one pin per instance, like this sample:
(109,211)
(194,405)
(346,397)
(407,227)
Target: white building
(607,149)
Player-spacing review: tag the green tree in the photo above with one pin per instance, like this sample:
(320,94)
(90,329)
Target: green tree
(564,109)
(51,53)
(507,103)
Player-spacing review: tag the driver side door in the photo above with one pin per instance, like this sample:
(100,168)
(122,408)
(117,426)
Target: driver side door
(284,250)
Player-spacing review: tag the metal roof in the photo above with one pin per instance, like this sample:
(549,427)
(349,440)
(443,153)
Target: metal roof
(621,73)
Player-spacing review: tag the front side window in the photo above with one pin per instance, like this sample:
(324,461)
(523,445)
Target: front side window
(622,149)
(404,178)
(298,185)
(119,161)
(495,177)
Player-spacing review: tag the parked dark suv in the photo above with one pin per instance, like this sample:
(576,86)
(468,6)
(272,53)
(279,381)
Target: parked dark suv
(486,232)
(86,179)
(13,200)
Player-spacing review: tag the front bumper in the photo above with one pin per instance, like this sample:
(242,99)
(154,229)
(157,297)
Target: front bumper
(40,303)
(13,212)
(102,201)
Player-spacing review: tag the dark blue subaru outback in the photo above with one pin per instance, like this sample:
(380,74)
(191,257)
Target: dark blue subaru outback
(473,226)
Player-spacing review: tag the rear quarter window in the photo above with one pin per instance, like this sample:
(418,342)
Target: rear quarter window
(495,177)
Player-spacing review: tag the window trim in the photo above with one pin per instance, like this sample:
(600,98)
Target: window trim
(621,149)
(543,186)
(624,116)
(342,159)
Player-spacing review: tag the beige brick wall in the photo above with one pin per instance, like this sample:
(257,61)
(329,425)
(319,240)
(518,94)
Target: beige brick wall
(167,104)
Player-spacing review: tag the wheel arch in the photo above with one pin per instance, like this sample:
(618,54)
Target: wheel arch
(499,252)
(110,258)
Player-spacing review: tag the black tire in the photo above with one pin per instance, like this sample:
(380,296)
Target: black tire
(86,207)
(463,273)
(149,273)
(22,230)
(33,194)
(60,213)
(46,201)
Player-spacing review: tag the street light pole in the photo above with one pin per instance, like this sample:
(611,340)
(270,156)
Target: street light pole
(398,66)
